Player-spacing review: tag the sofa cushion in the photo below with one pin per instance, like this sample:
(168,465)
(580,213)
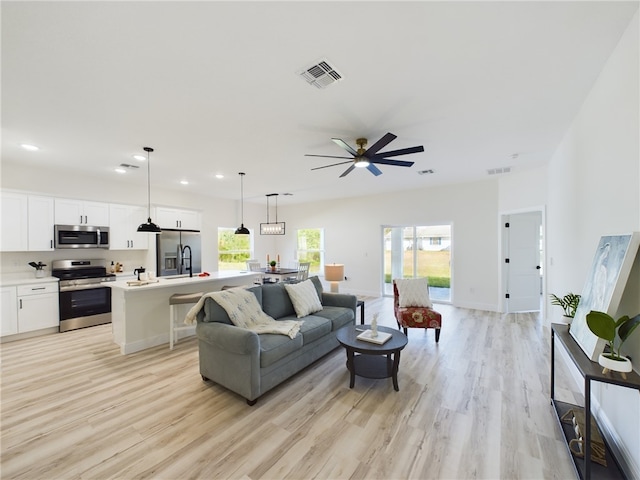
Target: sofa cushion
(339,316)
(304,297)
(213,312)
(275,347)
(314,328)
(275,301)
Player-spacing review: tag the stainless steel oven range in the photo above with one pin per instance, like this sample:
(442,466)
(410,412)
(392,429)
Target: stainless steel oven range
(84,298)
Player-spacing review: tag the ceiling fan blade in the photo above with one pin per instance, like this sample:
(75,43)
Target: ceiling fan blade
(373,169)
(347,171)
(396,163)
(380,144)
(345,145)
(332,165)
(327,156)
(395,153)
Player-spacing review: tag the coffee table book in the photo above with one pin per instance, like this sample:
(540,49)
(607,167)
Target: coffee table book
(379,340)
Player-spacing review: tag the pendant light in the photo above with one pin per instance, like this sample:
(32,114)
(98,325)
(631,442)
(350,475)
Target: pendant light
(242,230)
(149,227)
(272,228)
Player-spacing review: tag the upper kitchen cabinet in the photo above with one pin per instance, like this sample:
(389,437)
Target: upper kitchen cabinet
(176,218)
(15,226)
(79,212)
(41,221)
(124,221)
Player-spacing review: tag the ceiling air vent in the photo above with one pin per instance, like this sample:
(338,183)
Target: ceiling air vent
(425,172)
(320,74)
(126,165)
(497,171)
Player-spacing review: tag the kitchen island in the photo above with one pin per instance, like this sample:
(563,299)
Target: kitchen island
(140,313)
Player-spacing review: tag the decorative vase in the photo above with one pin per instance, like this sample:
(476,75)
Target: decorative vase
(40,273)
(273,269)
(622,365)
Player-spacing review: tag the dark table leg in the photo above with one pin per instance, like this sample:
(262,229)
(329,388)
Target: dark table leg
(361,305)
(394,374)
(351,367)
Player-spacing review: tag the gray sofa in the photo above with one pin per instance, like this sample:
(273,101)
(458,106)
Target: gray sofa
(251,364)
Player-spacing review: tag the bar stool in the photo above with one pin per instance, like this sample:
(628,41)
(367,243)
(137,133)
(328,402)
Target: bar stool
(174,301)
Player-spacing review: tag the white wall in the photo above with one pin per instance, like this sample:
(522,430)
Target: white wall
(353,235)
(594,190)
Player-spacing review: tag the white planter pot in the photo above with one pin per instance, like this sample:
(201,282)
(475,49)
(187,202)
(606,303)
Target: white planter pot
(622,365)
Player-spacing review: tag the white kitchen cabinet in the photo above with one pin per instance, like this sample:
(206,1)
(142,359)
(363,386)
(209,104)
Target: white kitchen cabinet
(37,306)
(177,218)
(9,311)
(80,212)
(41,221)
(14,235)
(123,226)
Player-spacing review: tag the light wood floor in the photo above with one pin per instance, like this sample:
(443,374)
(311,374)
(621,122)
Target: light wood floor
(474,406)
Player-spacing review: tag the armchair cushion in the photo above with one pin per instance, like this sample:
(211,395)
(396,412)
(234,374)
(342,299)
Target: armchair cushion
(413,292)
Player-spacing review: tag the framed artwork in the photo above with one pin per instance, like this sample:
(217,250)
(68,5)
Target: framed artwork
(604,286)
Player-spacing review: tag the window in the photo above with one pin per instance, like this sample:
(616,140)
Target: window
(311,248)
(418,251)
(233,250)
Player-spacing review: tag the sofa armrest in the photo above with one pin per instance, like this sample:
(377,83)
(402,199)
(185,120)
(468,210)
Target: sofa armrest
(340,300)
(229,338)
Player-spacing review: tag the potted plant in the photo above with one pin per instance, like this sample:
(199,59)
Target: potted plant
(568,303)
(605,327)
(273,264)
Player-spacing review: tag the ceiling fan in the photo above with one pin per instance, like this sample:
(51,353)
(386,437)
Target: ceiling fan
(367,158)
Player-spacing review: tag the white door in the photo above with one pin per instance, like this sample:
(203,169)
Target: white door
(522,261)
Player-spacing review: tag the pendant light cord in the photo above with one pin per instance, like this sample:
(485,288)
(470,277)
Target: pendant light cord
(241,198)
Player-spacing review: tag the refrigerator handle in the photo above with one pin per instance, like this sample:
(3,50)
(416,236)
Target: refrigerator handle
(179,259)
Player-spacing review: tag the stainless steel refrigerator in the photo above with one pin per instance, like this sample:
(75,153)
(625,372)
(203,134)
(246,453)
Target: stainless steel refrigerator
(173,256)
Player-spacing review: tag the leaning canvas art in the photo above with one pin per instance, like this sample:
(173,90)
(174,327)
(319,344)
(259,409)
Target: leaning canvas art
(604,287)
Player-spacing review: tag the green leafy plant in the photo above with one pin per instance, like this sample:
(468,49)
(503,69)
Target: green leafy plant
(604,326)
(569,303)
(273,263)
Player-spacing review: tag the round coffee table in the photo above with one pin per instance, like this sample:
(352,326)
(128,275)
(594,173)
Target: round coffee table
(373,361)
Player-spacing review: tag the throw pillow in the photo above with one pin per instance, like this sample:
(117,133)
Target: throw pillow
(304,297)
(413,292)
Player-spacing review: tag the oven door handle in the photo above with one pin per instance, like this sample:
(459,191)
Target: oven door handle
(90,286)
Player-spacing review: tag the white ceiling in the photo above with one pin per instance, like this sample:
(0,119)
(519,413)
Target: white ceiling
(213,88)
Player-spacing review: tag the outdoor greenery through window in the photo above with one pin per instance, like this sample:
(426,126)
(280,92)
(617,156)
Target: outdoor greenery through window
(233,250)
(419,251)
(311,248)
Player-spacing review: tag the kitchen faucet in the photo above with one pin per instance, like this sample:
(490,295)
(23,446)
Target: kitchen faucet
(190,259)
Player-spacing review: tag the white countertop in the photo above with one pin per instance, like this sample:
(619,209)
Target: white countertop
(180,280)
(15,279)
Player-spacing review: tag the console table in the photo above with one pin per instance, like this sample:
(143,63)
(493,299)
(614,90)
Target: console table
(591,372)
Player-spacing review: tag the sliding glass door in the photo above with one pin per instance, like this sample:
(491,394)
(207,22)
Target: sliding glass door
(418,251)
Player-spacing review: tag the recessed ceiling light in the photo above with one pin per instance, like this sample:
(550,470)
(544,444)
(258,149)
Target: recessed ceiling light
(121,170)
(184,182)
(31,148)
(219,175)
(140,158)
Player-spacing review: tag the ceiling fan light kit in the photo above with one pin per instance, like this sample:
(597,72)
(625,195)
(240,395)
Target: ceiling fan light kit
(149,227)
(272,228)
(366,158)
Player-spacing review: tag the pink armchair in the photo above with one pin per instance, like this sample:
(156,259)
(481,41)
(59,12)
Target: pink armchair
(415,316)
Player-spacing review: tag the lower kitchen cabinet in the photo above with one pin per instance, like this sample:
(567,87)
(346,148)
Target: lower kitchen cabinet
(37,306)
(9,312)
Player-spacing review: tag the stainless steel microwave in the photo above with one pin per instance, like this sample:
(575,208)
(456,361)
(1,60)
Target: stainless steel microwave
(81,236)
